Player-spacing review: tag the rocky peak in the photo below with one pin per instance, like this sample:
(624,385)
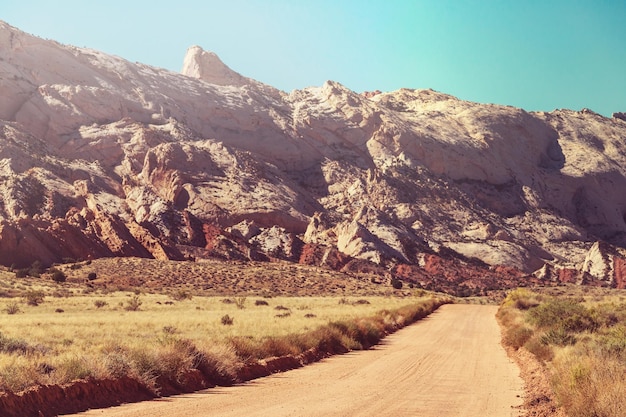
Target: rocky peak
(103,157)
(370,94)
(207,66)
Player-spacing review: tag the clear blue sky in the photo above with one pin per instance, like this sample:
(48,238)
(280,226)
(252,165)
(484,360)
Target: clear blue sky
(534,54)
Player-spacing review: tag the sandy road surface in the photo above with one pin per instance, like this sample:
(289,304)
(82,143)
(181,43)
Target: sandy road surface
(450,364)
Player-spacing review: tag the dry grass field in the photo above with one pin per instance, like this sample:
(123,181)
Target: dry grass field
(579,334)
(150,319)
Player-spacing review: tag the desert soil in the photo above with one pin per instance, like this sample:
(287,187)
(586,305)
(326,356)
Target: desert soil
(449,364)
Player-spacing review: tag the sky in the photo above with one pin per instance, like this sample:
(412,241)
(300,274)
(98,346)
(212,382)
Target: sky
(539,55)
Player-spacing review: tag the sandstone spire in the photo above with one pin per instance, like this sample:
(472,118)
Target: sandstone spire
(208,67)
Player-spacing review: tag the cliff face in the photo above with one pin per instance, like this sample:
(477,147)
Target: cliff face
(103,157)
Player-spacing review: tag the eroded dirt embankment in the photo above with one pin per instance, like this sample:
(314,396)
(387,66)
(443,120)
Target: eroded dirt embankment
(450,364)
(53,400)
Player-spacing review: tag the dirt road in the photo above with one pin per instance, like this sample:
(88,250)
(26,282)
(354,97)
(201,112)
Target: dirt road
(450,364)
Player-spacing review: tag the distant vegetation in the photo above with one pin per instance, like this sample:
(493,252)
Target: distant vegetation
(582,341)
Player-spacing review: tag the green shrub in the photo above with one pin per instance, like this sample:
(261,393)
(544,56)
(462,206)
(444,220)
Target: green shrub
(100,303)
(587,348)
(35,269)
(227,320)
(563,313)
(91,276)
(396,284)
(559,337)
(261,303)
(21,273)
(58,276)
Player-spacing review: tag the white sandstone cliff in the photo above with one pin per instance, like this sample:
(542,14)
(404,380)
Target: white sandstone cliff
(87,138)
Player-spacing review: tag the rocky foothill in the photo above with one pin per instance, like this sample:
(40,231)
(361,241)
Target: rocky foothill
(101,157)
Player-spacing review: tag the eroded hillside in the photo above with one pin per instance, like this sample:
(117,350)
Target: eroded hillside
(102,157)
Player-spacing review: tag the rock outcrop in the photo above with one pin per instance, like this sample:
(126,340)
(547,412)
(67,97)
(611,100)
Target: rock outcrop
(619,115)
(103,157)
(207,66)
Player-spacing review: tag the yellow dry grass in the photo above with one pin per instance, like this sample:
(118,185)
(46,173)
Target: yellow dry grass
(580,336)
(91,329)
(83,327)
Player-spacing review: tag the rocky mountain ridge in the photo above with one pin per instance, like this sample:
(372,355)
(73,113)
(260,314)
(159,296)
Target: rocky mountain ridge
(103,157)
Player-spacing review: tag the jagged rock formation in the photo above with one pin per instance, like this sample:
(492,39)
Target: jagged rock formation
(207,66)
(103,157)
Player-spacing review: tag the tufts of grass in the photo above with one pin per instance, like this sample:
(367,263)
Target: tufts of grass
(12,308)
(612,342)
(181,295)
(584,338)
(14,345)
(133,304)
(544,353)
(34,297)
(517,336)
(18,373)
(246,348)
(71,369)
(240,302)
(558,336)
(590,385)
(167,361)
(336,336)
(165,340)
